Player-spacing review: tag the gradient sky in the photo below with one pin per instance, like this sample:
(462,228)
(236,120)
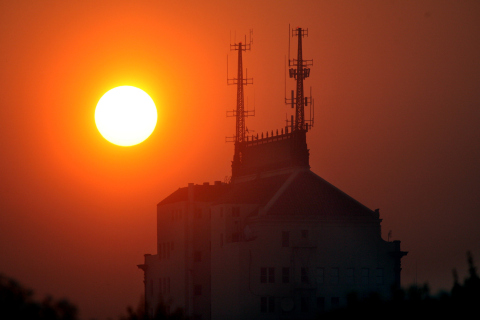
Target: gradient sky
(397,96)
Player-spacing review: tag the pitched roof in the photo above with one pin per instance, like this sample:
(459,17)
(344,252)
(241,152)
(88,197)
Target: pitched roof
(300,192)
(309,194)
(257,191)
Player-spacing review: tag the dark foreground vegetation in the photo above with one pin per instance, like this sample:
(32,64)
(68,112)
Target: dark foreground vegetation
(17,302)
(461,302)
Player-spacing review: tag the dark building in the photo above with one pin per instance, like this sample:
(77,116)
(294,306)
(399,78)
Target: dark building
(277,241)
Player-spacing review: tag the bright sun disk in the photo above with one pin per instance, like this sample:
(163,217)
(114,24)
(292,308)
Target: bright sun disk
(126,116)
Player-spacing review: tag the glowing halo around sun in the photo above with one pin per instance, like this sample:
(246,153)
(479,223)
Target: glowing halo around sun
(126,116)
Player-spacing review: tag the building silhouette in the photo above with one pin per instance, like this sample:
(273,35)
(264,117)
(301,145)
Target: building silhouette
(275,242)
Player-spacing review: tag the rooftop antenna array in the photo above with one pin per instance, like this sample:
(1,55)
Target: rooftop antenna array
(299,70)
(240,113)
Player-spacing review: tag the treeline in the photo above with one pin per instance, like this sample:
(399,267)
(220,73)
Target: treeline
(461,302)
(160,314)
(16,302)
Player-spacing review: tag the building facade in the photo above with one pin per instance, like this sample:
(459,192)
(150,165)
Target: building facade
(276,242)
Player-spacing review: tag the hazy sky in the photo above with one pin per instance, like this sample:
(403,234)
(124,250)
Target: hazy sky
(397,112)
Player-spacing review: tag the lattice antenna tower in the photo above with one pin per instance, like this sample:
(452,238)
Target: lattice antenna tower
(240,113)
(299,70)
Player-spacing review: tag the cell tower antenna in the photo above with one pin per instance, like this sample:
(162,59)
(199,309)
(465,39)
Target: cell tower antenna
(240,113)
(300,71)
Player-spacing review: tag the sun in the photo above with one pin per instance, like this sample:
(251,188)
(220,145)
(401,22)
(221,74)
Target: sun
(126,116)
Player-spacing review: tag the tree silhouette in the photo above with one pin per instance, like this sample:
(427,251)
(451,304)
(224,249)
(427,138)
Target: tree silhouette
(16,302)
(460,302)
(162,312)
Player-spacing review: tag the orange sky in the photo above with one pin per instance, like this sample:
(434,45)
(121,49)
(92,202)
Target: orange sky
(397,95)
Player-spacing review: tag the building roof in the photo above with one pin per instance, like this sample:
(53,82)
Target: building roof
(298,192)
(201,193)
(308,193)
(256,191)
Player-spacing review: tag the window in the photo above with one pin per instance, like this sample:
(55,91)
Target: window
(285,239)
(335,302)
(334,276)
(235,237)
(263,275)
(197,256)
(365,276)
(285,275)
(197,290)
(164,250)
(320,275)
(263,304)
(304,275)
(304,304)
(350,276)
(271,275)
(267,275)
(321,304)
(271,304)
(235,211)
(305,234)
(176,214)
(267,304)
(236,233)
(379,276)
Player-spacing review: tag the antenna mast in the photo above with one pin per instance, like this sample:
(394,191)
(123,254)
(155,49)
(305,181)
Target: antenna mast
(300,71)
(240,113)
